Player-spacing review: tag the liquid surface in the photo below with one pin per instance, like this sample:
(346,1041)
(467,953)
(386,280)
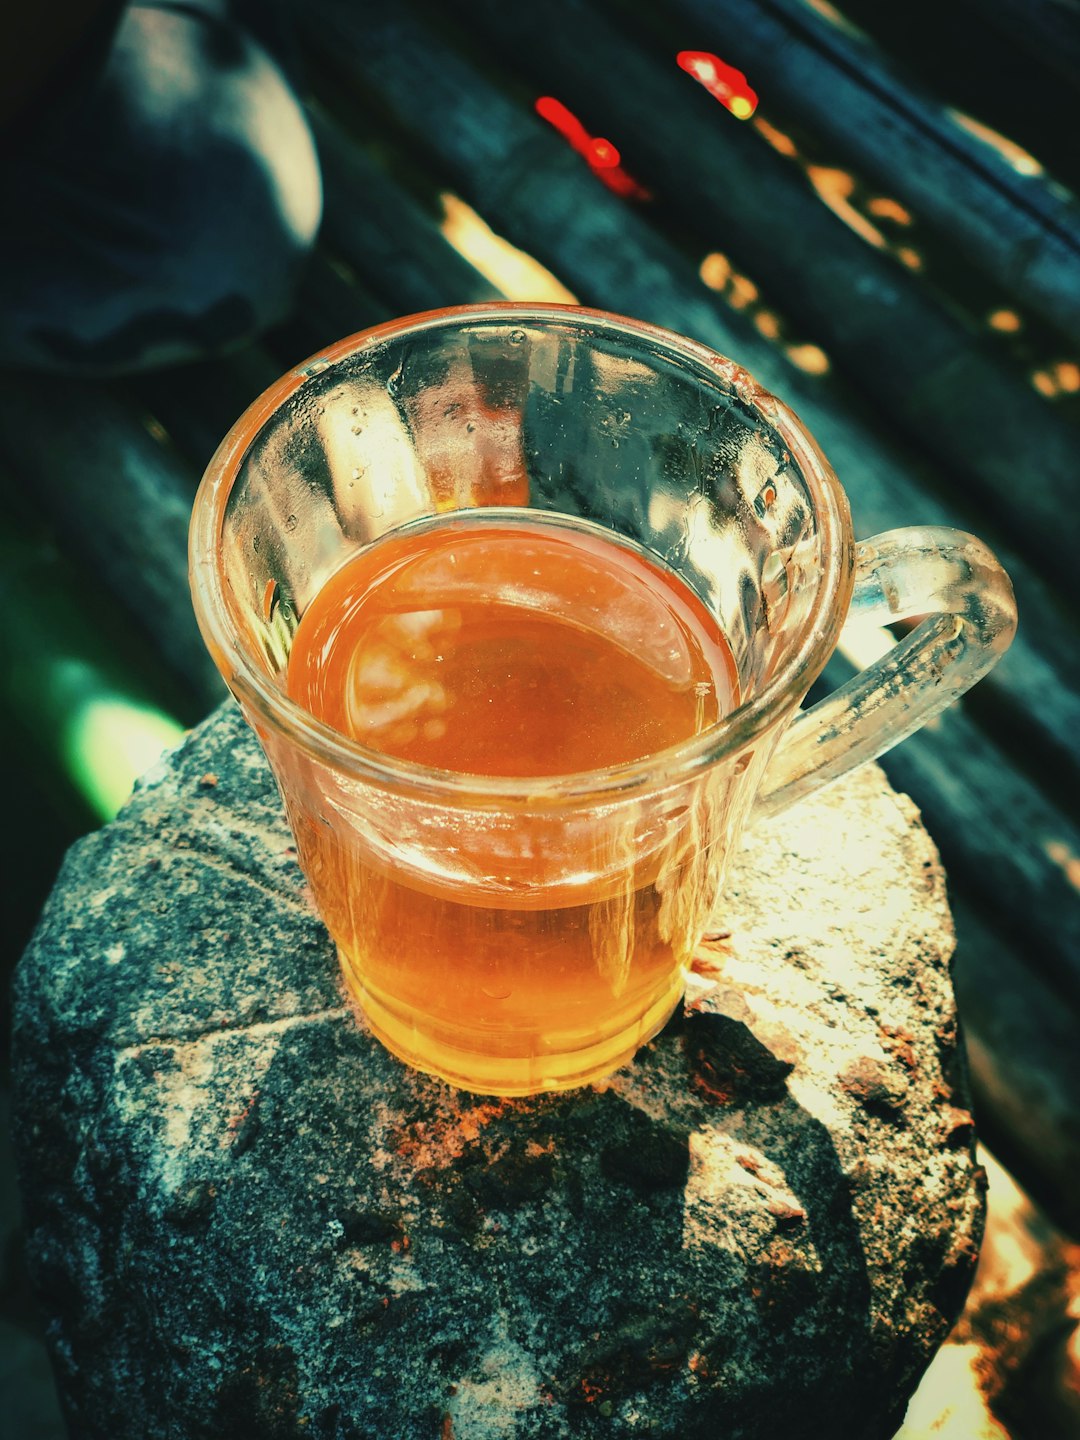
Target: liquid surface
(524,649)
(511,951)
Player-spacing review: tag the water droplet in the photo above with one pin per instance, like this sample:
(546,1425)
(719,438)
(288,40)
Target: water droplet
(394,381)
(470,426)
(357,429)
(291,523)
(517,337)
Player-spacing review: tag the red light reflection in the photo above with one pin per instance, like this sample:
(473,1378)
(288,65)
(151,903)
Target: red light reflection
(602,156)
(722,81)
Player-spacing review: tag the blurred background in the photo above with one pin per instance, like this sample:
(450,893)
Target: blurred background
(871,207)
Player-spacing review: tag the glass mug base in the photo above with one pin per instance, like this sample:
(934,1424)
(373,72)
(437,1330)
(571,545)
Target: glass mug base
(470,1058)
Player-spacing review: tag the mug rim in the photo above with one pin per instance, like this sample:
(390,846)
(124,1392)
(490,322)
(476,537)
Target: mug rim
(254,688)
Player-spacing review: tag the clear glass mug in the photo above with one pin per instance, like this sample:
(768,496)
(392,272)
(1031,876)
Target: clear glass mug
(515,934)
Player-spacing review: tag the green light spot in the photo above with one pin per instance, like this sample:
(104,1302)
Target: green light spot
(110,740)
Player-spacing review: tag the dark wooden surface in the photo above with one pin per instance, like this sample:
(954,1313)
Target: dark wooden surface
(928,412)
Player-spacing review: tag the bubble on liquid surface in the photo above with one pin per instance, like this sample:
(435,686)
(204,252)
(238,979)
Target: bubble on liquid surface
(517,337)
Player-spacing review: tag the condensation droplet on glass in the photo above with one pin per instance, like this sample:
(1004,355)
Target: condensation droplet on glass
(517,337)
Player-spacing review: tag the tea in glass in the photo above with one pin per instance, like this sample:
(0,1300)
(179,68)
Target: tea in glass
(513,647)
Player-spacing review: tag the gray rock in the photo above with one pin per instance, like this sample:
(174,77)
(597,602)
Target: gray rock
(245,1218)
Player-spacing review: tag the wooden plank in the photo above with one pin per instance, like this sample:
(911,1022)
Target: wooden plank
(950,391)
(528,184)
(960,55)
(1024,1062)
(388,238)
(118,497)
(1046,30)
(1018,227)
(1010,846)
(197,404)
(332,302)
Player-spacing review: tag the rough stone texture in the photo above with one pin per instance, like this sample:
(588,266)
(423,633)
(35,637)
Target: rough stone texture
(246,1218)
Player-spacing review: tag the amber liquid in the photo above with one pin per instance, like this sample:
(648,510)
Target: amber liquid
(539,948)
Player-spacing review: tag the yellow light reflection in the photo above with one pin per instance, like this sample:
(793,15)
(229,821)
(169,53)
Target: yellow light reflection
(518,275)
(768,324)
(834,16)
(1060,854)
(742,291)
(836,187)
(810,358)
(776,138)
(715,270)
(1067,374)
(949,1403)
(1015,155)
(1045,383)
(910,257)
(886,208)
(1007,321)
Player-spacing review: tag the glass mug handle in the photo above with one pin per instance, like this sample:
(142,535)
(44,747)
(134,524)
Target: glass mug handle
(955,582)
